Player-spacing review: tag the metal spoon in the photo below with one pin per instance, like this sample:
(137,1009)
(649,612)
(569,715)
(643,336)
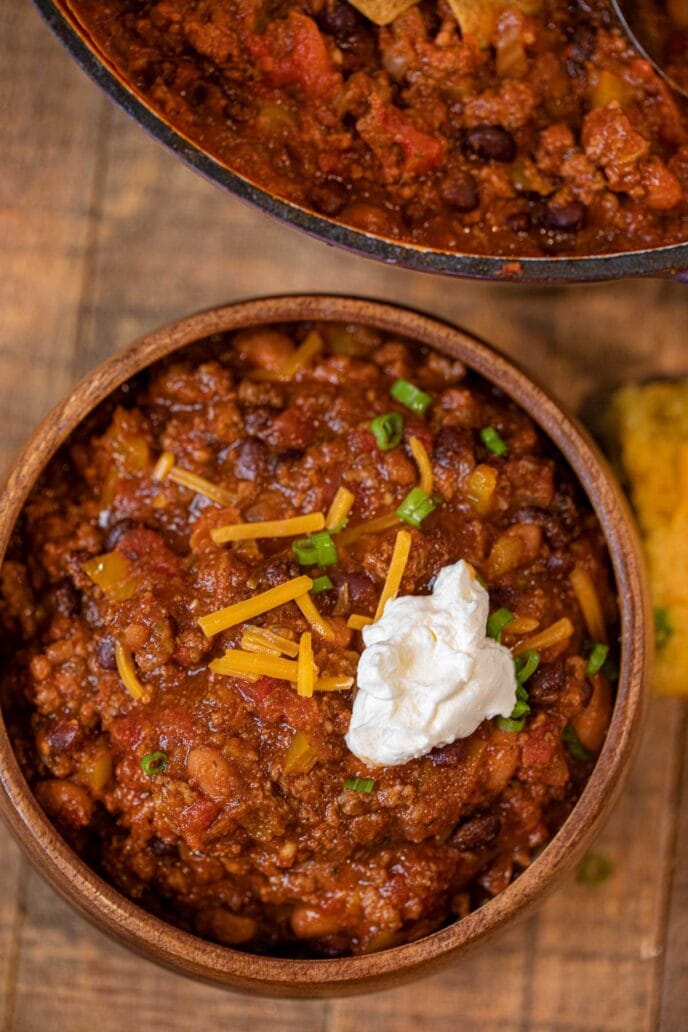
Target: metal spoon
(658,29)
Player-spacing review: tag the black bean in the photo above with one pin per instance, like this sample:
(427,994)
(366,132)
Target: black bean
(460,190)
(492,143)
(477,832)
(330,196)
(454,449)
(116,531)
(518,222)
(105,652)
(546,684)
(338,18)
(566,217)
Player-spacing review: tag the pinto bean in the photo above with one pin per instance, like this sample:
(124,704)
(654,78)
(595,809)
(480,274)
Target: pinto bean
(211,772)
(230,929)
(265,348)
(66,802)
(313,923)
(591,725)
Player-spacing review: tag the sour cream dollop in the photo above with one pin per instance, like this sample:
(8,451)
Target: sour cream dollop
(429,674)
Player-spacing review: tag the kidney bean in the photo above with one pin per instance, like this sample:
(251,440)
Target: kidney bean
(492,143)
(477,832)
(250,459)
(454,449)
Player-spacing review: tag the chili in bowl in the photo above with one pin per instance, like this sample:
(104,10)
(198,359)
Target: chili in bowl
(324,637)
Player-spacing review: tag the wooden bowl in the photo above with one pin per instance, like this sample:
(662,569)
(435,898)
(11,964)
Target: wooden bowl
(185,953)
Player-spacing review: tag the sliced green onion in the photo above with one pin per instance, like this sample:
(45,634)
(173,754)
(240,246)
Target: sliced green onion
(497,622)
(596,659)
(511,724)
(569,737)
(321,584)
(388,430)
(411,396)
(593,869)
(493,440)
(415,507)
(663,628)
(365,785)
(526,665)
(316,549)
(154,763)
(517,718)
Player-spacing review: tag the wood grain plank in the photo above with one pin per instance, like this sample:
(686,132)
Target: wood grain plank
(49,124)
(48,121)
(72,978)
(608,937)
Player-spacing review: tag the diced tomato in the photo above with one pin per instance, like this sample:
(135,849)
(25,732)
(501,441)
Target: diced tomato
(195,819)
(293,52)
(142,545)
(277,702)
(385,126)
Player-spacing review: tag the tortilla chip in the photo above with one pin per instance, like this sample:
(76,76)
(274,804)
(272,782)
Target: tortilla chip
(478,18)
(382,12)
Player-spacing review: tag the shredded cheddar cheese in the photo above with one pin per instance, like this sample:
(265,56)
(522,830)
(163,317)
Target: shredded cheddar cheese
(311,346)
(374,526)
(424,465)
(242,612)
(318,622)
(305,679)
(127,671)
(337,683)
(357,621)
(397,565)
(519,625)
(339,510)
(588,600)
(269,528)
(200,486)
(260,639)
(163,466)
(552,635)
(235,661)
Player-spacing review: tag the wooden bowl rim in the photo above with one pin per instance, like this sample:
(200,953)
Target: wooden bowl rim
(161,941)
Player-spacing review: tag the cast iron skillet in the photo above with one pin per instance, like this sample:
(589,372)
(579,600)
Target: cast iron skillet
(656,261)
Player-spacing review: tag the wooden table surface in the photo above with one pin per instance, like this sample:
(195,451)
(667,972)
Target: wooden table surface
(105,236)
